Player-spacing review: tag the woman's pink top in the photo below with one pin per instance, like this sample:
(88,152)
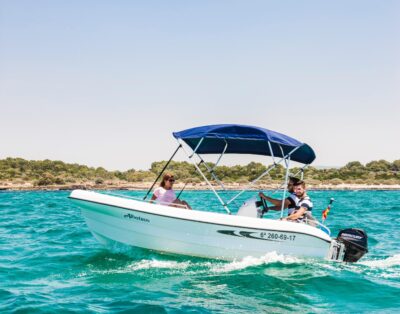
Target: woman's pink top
(164,196)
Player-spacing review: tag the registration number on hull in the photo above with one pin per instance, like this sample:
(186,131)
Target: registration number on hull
(267,236)
(277,236)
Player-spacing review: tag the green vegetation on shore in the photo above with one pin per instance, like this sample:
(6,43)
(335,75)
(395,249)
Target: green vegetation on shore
(47,172)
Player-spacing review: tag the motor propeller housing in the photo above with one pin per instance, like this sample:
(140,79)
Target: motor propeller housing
(349,246)
(356,243)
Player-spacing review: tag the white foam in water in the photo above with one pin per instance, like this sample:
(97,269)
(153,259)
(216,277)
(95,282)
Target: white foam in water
(147,264)
(383,263)
(269,258)
(140,265)
(222,267)
(249,261)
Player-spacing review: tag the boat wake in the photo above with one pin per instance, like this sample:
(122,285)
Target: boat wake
(146,260)
(120,264)
(151,264)
(388,268)
(144,263)
(250,261)
(389,262)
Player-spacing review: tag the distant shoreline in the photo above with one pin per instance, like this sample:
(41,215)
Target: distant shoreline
(18,174)
(139,186)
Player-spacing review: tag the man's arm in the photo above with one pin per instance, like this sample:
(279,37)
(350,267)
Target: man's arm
(277,203)
(277,208)
(297,214)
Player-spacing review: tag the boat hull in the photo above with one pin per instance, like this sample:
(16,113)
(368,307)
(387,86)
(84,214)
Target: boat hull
(195,233)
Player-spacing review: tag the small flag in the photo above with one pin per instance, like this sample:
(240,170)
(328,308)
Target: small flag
(326,211)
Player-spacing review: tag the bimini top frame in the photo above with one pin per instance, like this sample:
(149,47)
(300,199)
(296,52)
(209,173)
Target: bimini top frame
(244,139)
(240,139)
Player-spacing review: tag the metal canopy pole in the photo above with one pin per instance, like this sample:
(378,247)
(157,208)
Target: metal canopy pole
(204,177)
(223,152)
(287,162)
(186,183)
(262,175)
(302,172)
(272,152)
(211,170)
(165,167)
(197,147)
(254,181)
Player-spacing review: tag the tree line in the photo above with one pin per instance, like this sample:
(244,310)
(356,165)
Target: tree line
(48,172)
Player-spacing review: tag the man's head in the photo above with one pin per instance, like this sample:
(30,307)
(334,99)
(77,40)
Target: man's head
(291,183)
(299,188)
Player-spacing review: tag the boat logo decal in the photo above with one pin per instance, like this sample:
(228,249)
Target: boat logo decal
(267,236)
(138,218)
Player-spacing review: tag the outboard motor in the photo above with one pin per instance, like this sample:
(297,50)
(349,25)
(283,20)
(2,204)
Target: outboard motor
(355,243)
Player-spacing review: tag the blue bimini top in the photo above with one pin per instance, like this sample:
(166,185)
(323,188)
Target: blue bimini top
(245,139)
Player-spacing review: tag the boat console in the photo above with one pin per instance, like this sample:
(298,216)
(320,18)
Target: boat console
(253,208)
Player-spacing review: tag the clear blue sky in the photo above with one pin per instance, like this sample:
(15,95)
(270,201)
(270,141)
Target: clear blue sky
(104,83)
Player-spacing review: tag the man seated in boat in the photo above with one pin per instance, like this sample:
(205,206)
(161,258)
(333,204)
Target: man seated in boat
(303,206)
(165,194)
(290,201)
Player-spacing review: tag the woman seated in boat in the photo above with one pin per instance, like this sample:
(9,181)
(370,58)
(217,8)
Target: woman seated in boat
(165,194)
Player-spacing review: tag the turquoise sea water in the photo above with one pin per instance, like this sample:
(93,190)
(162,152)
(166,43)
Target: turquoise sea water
(50,263)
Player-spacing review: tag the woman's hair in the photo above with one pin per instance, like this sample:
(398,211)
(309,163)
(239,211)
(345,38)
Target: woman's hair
(166,177)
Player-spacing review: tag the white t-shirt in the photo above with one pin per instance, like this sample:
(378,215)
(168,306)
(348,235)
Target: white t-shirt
(164,196)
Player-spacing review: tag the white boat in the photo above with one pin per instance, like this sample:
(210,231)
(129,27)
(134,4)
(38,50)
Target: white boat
(140,223)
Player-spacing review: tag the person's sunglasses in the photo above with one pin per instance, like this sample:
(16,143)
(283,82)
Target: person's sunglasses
(171,180)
